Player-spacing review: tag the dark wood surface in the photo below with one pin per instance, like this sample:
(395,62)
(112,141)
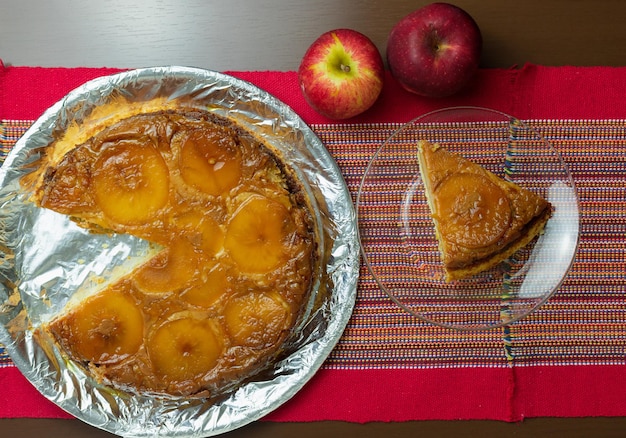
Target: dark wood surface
(274,34)
(549,32)
(530,428)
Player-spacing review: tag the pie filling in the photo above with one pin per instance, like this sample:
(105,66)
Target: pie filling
(218,303)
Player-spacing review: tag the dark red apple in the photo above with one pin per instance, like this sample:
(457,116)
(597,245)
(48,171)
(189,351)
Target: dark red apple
(341,74)
(435,50)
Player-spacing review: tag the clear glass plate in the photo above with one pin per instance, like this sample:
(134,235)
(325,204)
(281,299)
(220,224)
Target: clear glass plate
(397,234)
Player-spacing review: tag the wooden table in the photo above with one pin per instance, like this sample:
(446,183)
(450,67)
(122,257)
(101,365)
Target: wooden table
(273,35)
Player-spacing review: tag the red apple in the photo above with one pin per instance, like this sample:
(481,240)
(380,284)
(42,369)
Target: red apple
(341,74)
(435,50)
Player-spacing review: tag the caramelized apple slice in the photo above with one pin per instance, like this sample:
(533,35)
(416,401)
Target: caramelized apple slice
(257,319)
(106,328)
(210,162)
(202,230)
(169,270)
(67,188)
(208,291)
(131,182)
(185,348)
(257,233)
(473,212)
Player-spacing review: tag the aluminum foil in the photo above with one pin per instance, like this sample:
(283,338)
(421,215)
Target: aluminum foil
(45,259)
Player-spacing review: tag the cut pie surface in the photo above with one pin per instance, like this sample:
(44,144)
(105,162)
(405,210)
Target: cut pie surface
(239,251)
(480,219)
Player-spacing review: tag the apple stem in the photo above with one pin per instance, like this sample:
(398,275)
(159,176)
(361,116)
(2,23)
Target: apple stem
(345,68)
(434,40)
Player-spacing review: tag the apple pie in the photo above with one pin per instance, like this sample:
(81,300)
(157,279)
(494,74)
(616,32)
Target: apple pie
(238,250)
(480,219)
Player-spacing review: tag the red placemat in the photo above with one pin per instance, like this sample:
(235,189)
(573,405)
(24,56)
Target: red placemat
(567,359)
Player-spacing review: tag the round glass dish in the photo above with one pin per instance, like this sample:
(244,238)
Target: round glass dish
(397,234)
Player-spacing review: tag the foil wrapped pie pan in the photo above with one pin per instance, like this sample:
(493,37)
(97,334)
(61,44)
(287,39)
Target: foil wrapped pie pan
(46,258)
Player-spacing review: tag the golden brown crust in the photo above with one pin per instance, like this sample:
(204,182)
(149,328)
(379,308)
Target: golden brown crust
(480,219)
(239,251)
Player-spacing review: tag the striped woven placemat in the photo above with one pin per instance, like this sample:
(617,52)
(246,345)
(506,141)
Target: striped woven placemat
(584,323)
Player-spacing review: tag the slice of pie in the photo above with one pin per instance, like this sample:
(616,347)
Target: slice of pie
(480,219)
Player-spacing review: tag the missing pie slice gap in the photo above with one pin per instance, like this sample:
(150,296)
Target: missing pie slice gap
(480,219)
